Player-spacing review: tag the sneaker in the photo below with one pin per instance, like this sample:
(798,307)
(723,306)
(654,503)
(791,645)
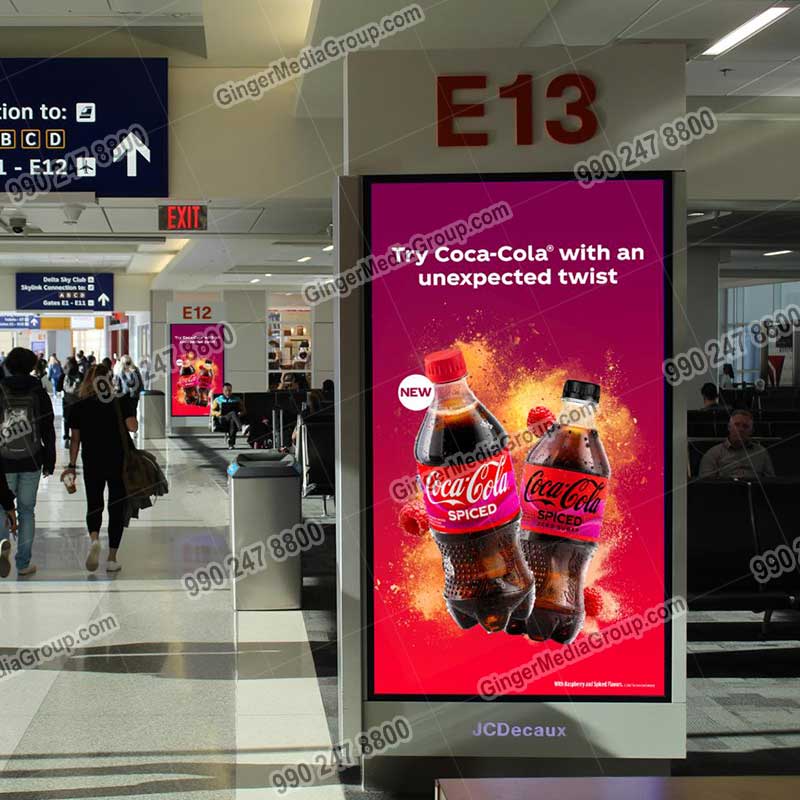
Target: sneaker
(5,558)
(29,570)
(113,566)
(93,559)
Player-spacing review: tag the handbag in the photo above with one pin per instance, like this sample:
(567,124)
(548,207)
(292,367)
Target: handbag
(142,476)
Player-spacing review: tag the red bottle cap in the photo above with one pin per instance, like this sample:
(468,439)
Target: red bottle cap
(444,366)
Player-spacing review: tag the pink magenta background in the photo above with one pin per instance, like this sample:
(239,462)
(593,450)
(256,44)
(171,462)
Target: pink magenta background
(408,320)
(180,336)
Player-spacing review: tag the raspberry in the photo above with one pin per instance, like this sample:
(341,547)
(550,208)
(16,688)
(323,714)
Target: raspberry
(592,601)
(540,418)
(413,518)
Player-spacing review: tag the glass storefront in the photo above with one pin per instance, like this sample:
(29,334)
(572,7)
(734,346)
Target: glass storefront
(740,307)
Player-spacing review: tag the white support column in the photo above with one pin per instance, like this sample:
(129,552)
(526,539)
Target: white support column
(702,313)
(159,336)
(322,342)
(246,358)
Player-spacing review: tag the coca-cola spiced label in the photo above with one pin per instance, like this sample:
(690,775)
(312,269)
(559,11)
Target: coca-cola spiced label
(563,502)
(464,498)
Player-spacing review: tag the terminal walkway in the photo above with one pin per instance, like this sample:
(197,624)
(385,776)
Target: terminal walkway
(163,706)
(168,706)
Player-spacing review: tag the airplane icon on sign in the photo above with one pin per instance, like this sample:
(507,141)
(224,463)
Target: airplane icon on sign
(87,166)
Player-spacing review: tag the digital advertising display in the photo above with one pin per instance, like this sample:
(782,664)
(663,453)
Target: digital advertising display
(197,371)
(519,472)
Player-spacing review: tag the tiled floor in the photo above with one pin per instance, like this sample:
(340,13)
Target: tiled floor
(165,706)
(186,699)
(743,695)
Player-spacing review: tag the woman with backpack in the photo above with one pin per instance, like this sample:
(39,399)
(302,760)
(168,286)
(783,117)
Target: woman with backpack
(68,385)
(96,423)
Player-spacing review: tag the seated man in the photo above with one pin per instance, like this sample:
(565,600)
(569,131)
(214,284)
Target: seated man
(738,456)
(710,398)
(228,409)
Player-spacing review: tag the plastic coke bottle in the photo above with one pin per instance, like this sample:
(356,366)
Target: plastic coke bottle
(467,479)
(564,490)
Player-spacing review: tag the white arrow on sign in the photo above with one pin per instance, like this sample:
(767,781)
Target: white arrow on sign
(103,299)
(33,321)
(131,145)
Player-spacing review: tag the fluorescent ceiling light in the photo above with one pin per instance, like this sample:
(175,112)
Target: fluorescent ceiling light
(743,32)
(777,252)
(267,274)
(697,213)
(255,280)
(303,259)
(327,249)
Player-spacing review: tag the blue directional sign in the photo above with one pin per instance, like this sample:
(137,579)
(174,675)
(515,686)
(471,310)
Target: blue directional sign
(84,125)
(11,322)
(65,291)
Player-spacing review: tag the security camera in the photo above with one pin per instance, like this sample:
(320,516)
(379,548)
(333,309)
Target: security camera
(72,213)
(18,225)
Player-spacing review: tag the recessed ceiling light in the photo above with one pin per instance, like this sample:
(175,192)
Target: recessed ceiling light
(255,280)
(696,214)
(327,249)
(303,259)
(267,274)
(744,32)
(778,253)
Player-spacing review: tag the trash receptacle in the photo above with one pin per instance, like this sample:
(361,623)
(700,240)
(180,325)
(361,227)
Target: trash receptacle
(265,500)
(153,414)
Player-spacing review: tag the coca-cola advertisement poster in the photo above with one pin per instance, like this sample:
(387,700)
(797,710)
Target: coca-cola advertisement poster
(197,354)
(519,470)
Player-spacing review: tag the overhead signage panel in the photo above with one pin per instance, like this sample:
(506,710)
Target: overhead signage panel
(11,322)
(65,291)
(84,125)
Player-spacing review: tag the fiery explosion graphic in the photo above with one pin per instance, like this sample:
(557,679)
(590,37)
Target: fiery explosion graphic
(510,391)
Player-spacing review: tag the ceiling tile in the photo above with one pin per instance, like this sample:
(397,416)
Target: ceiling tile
(158,7)
(231,220)
(52,220)
(63,8)
(706,78)
(689,19)
(132,220)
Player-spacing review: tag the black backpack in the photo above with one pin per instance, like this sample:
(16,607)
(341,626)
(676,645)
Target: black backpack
(20,411)
(72,384)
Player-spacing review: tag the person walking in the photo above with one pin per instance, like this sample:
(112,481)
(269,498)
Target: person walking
(28,445)
(129,381)
(68,386)
(54,373)
(95,433)
(40,368)
(9,525)
(82,361)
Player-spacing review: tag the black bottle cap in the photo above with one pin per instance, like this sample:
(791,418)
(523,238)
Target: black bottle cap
(581,390)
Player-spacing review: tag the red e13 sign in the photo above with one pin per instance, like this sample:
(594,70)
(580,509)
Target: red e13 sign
(521,92)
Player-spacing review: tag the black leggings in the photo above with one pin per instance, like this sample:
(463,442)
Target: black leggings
(95,486)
